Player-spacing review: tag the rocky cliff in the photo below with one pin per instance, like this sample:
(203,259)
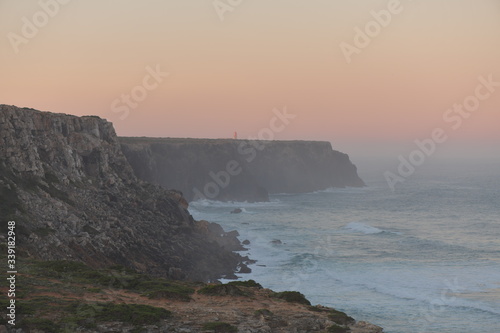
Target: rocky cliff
(73,195)
(239,170)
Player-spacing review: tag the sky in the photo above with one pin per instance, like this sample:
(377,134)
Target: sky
(369,76)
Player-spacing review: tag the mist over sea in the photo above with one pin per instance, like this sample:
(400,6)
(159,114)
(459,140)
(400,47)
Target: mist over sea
(425,258)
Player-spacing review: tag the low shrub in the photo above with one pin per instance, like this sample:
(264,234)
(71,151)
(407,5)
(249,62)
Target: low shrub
(136,314)
(180,293)
(340,318)
(292,297)
(42,324)
(221,290)
(316,309)
(249,283)
(337,329)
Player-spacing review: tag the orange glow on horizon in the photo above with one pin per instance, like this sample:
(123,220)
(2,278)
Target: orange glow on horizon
(227,76)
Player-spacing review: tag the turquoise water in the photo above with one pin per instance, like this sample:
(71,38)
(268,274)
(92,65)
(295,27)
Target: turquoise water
(425,258)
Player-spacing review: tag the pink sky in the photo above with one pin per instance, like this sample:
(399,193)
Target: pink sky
(229,75)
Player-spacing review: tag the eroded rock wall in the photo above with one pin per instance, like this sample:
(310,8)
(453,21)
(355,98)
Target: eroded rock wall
(74,195)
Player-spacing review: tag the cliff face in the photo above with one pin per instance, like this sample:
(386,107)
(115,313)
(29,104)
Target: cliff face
(239,170)
(73,195)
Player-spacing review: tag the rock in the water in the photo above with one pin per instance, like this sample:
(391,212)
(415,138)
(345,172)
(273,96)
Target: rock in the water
(246,242)
(236,211)
(244,269)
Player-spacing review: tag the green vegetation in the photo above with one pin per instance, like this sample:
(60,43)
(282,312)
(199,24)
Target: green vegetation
(337,329)
(222,290)
(39,304)
(230,289)
(316,309)
(73,314)
(50,314)
(113,277)
(249,283)
(176,292)
(292,297)
(136,314)
(339,317)
(45,325)
(70,271)
(219,327)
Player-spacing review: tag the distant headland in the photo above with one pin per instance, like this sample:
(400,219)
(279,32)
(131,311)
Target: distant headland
(238,170)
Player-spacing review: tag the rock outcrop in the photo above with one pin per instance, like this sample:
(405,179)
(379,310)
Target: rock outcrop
(239,170)
(74,195)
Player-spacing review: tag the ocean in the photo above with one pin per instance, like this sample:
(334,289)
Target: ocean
(425,258)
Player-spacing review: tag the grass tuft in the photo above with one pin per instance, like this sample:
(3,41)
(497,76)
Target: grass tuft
(222,290)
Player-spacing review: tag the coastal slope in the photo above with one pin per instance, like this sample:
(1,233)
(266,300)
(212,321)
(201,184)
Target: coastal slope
(239,170)
(87,300)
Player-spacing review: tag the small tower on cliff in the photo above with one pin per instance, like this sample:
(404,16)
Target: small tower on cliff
(235,135)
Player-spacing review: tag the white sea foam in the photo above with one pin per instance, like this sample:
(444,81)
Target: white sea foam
(382,257)
(232,204)
(345,190)
(362,228)
(353,190)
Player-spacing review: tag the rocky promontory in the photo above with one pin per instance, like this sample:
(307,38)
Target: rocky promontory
(239,170)
(73,195)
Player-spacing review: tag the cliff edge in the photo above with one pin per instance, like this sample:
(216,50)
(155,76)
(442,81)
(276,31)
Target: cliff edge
(73,195)
(239,170)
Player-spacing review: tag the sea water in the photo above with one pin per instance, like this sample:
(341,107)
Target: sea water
(425,258)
